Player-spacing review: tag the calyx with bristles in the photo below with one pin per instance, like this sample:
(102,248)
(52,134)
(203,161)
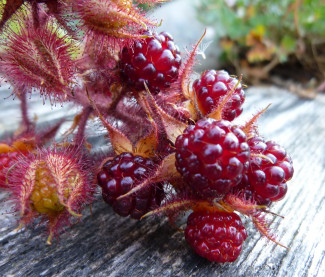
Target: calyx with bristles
(107,20)
(53,184)
(48,67)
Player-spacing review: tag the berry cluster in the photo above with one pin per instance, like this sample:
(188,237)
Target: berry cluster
(175,145)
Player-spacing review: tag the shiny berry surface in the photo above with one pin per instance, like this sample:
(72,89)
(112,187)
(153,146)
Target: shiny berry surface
(216,236)
(212,87)
(119,175)
(270,169)
(212,156)
(247,191)
(155,61)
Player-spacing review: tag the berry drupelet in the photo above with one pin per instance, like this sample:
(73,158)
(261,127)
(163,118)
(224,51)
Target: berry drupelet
(216,236)
(119,175)
(155,61)
(212,87)
(212,156)
(7,160)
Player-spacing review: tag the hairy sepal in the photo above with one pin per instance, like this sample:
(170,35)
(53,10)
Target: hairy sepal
(48,67)
(178,204)
(172,126)
(238,203)
(261,225)
(111,22)
(64,173)
(182,85)
(250,127)
(9,8)
(165,171)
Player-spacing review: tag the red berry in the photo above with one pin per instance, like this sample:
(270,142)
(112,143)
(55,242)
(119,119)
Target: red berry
(212,88)
(119,175)
(217,236)
(155,61)
(212,156)
(269,171)
(7,160)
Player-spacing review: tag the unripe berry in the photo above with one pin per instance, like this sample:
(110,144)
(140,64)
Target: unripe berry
(54,184)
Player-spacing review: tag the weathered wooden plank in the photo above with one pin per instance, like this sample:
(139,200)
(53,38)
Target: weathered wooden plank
(106,245)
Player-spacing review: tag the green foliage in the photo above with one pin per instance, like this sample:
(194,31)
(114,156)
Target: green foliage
(263,30)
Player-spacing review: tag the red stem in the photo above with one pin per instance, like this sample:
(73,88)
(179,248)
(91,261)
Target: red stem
(24,112)
(82,124)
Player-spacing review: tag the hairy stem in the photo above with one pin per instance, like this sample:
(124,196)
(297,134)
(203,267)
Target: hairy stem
(82,124)
(27,124)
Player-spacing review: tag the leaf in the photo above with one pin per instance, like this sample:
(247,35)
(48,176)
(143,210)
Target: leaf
(288,44)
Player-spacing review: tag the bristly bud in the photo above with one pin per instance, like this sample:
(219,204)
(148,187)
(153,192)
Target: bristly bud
(108,21)
(54,184)
(20,145)
(38,58)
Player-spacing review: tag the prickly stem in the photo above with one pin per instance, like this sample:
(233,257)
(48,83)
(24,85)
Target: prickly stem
(27,124)
(80,136)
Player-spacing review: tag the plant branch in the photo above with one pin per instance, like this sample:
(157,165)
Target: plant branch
(82,124)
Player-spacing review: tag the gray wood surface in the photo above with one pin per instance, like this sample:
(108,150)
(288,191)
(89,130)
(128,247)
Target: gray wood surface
(104,244)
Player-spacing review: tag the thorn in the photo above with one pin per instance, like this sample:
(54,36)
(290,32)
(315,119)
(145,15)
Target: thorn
(272,213)
(48,241)
(91,210)
(19,227)
(73,213)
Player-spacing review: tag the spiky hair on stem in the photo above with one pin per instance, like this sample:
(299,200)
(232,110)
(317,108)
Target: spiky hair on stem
(111,23)
(54,184)
(39,59)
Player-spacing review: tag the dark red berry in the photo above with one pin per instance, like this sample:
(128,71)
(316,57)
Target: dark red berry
(213,87)
(270,169)
(155,61)
(217,236)
(119,175)
(212,156)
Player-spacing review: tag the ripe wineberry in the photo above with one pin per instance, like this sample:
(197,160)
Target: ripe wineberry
(212,156)
(155,61)
(212,87)
(217,236)
(119,175)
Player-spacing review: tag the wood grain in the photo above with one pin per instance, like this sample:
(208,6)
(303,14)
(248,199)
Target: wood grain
(104,244)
